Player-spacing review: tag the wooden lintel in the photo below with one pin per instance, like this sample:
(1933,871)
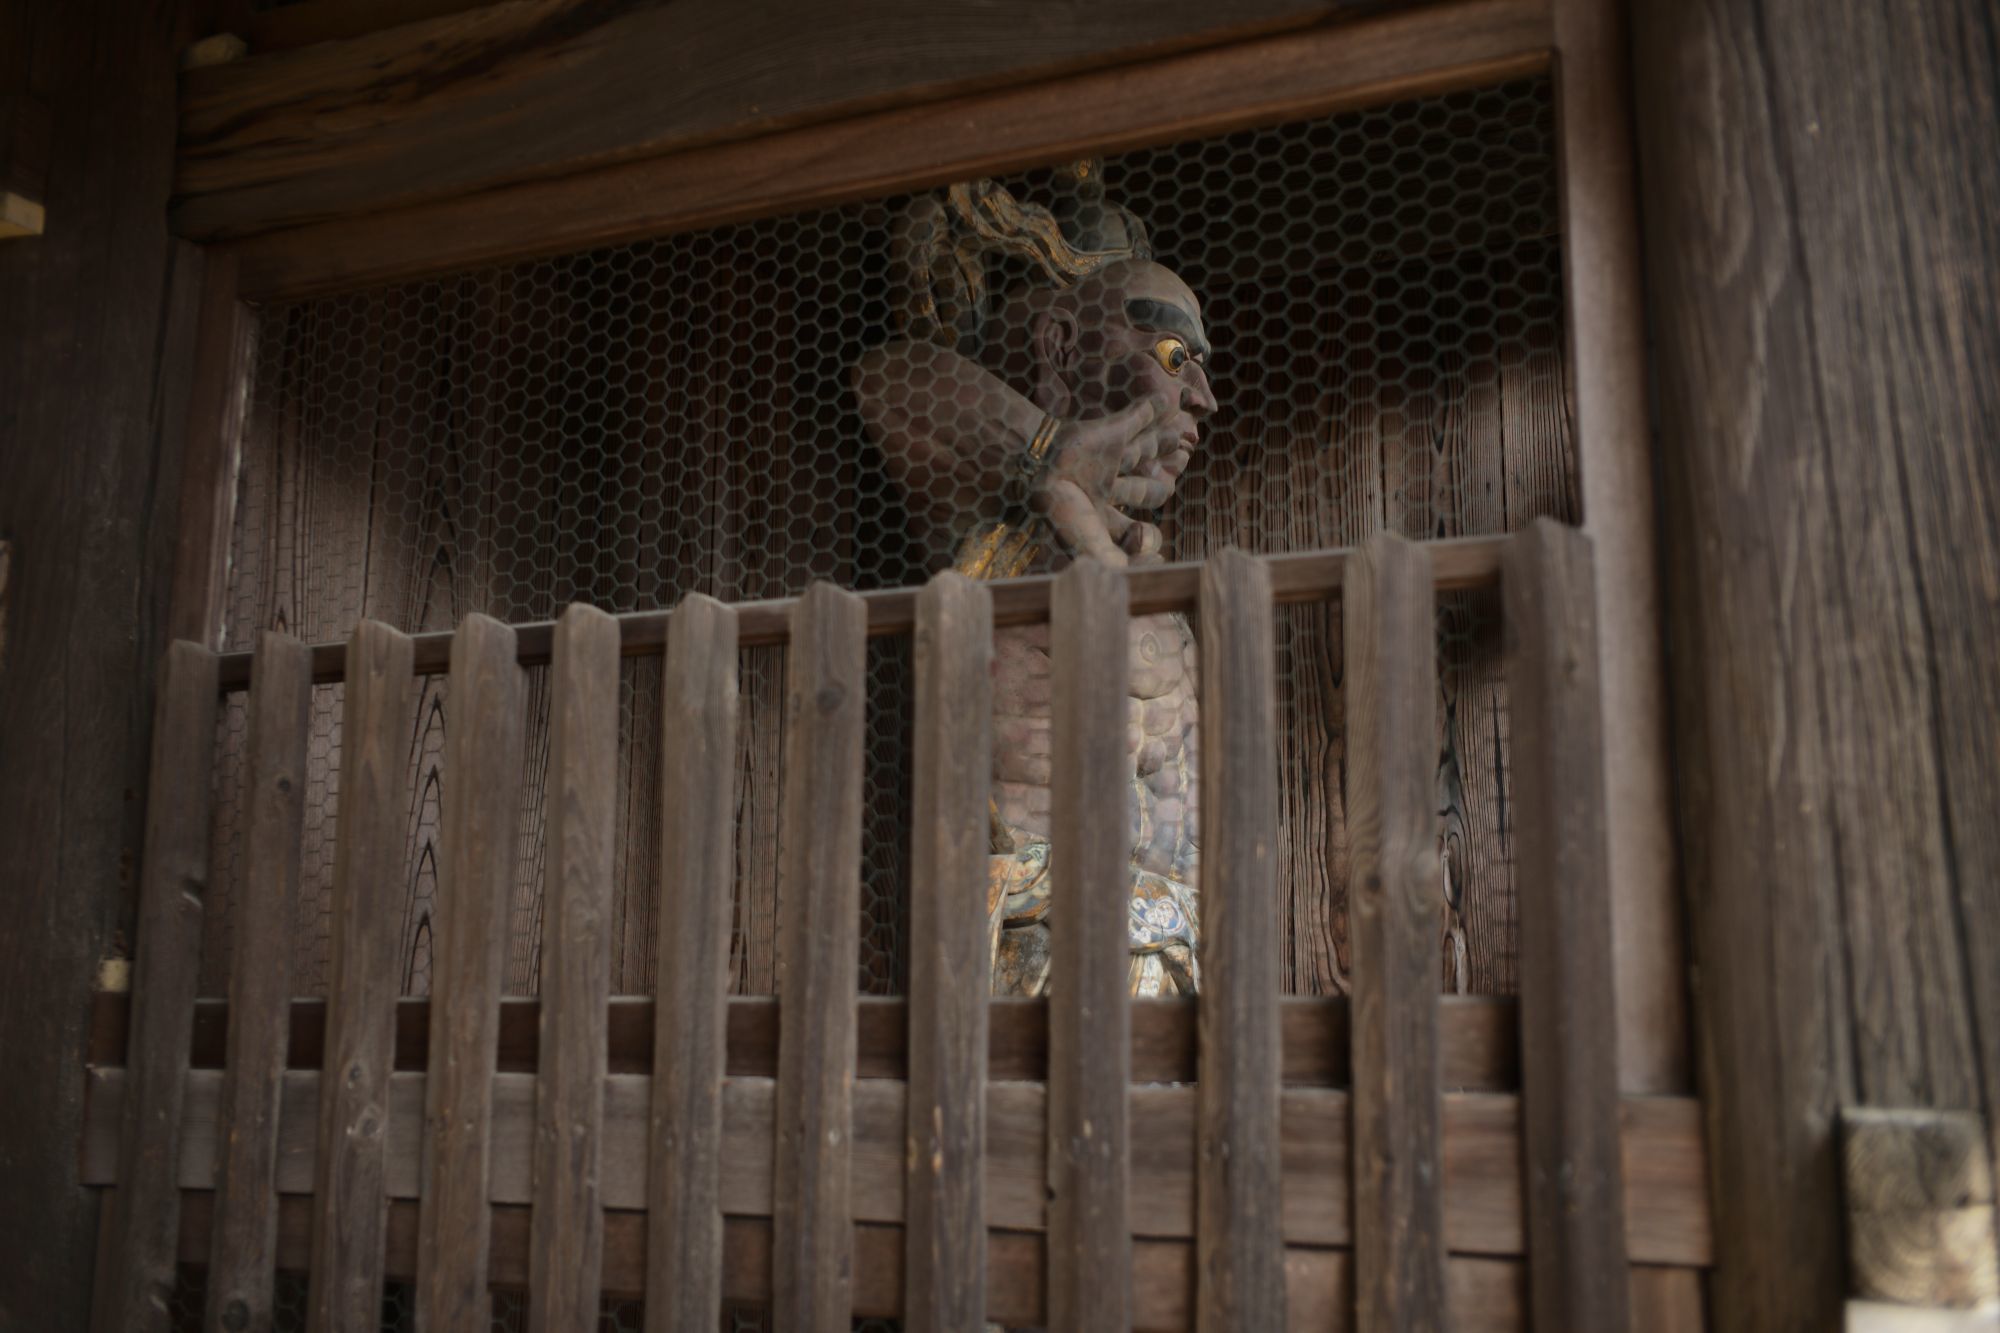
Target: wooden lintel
(1406,52)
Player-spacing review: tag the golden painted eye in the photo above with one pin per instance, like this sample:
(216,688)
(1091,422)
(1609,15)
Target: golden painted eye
(1171,353)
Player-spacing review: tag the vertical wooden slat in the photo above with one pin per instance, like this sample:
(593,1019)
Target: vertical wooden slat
(225,344)
(350,1202)
(243,1264)
(697,846)
(944,1266)
(1240,1246)
(1604,292)
(1393,901)
(1090,1059)
(484,744)
(136,1275)
(818,961)
(565,1272)
(1568,1011)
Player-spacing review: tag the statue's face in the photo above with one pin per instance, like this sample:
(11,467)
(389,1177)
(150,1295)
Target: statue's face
(1139,335)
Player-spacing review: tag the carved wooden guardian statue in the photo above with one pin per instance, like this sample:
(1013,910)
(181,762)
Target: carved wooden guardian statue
(1034,426)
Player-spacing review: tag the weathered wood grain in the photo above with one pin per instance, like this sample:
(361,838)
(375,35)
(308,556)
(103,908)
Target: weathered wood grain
(1478,1038)
(96,360)
(1240,1276)
(1392,905)
(690,1040)
(275,140)
(1919,1192)
(568,1237)
(1569,1002)
(1666,1211)
(349,1195)
(944,1268)
(1822,280)
(1485,1294)
(1604,306)
(1090,1284)
(241,1269)
(136,1270)
(812,1251)
(482,801)
(1423,49)
(226,339)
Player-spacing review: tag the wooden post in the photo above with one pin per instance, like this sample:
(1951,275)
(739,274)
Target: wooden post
(1823,269)
(1569,1005)
(567,1242)
(1240,1244)
(350,1200)
(484,744)
(243,1262)
(812,1249)
(697,846)
(1605,308)
(1090,1058)
(944,1265)
(1393,899)
(136,1270)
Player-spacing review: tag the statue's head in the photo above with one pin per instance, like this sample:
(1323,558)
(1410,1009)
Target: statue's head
(1130,331)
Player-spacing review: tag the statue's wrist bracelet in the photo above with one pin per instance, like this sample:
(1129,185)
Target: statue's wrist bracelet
(1033,464)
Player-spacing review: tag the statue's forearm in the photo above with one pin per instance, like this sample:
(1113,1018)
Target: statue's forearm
(950,431)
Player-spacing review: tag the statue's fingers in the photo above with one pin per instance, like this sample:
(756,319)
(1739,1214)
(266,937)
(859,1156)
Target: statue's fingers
(1079,522)
(1140,492)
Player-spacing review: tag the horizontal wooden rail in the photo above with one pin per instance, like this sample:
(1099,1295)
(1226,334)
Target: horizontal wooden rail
(1482,1294)
(1666,1209)
(1477,1033)
(1305,576)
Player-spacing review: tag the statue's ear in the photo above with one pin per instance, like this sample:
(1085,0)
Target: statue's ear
(1056,357)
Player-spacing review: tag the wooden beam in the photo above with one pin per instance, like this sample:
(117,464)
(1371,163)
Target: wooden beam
(1391,655)
(1920,1216)
(225,343)
(950,959)
(260,988)
(1088,1128)
(1478,1039)
(1569,1004)
(698,723)
(482,801)
(1486,1295)
(349,1194)
(568,1234)
(1606,340)
(1480,1157)
(1822,270)
(1307,576)
(1239,1180)
(522,89)
(135,1276)
(1408,52)
(818,955)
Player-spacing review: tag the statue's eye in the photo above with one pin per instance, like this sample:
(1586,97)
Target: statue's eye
(1172,354)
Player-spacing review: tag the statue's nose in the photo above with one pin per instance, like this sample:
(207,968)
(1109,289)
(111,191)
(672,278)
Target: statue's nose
(1197,396)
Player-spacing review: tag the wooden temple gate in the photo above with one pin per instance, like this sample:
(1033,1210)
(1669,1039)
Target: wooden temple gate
(1400,1160)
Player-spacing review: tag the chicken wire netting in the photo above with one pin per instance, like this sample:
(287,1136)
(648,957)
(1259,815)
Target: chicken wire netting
(1381,298)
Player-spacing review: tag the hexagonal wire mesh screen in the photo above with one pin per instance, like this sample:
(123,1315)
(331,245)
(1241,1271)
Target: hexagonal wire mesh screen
(1380,292)
(1379,295)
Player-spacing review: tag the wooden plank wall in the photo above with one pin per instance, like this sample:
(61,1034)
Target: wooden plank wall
(1824,337)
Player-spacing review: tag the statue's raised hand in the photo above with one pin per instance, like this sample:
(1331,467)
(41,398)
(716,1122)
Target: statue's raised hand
(1091,482)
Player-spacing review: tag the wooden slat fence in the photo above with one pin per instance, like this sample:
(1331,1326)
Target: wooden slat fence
(1355,1165)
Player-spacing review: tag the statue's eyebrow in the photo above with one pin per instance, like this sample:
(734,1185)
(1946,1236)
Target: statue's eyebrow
(1164,318)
